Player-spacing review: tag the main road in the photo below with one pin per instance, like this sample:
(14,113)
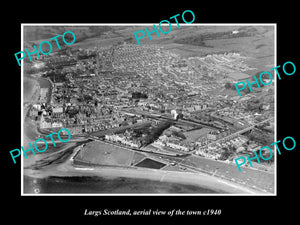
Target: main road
(240,131)
(160,116)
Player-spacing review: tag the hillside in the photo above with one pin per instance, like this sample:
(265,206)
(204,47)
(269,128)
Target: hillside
(33,35)
(256,42)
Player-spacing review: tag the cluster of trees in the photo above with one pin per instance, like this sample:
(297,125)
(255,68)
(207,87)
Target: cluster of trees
(72,111)
(266,156)
(156,132)
(129,40)
(261,137)
(254,105)
(179,134)
(229,85)
(228,152)
(56,76)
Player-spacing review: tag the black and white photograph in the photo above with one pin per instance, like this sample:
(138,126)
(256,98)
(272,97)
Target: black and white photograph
(167,113)
(149,113)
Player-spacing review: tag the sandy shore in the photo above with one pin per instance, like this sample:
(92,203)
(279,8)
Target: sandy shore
(67,169)
(31,89)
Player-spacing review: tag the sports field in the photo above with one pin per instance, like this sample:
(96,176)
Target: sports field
(107,154)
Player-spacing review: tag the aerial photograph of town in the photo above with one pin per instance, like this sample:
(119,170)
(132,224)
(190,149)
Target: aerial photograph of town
(160,117)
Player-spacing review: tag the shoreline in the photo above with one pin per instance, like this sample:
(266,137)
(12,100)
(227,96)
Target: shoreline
(201,180)
(32,84)
(197,180)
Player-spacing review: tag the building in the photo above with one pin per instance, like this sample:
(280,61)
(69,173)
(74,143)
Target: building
(43,94)
(124,140)
(33,112)
(57,124)
(174,114)
(58,84)
(37,106)
(213,135)
(73,130)
(45,123)
(57,110)
(177,146)
(211,153)
(266,106)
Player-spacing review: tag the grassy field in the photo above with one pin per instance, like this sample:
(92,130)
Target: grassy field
(107,154)
(104,154)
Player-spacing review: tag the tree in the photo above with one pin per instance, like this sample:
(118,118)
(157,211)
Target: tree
(246,90)
(228,85)
(179,134)
(226,153)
